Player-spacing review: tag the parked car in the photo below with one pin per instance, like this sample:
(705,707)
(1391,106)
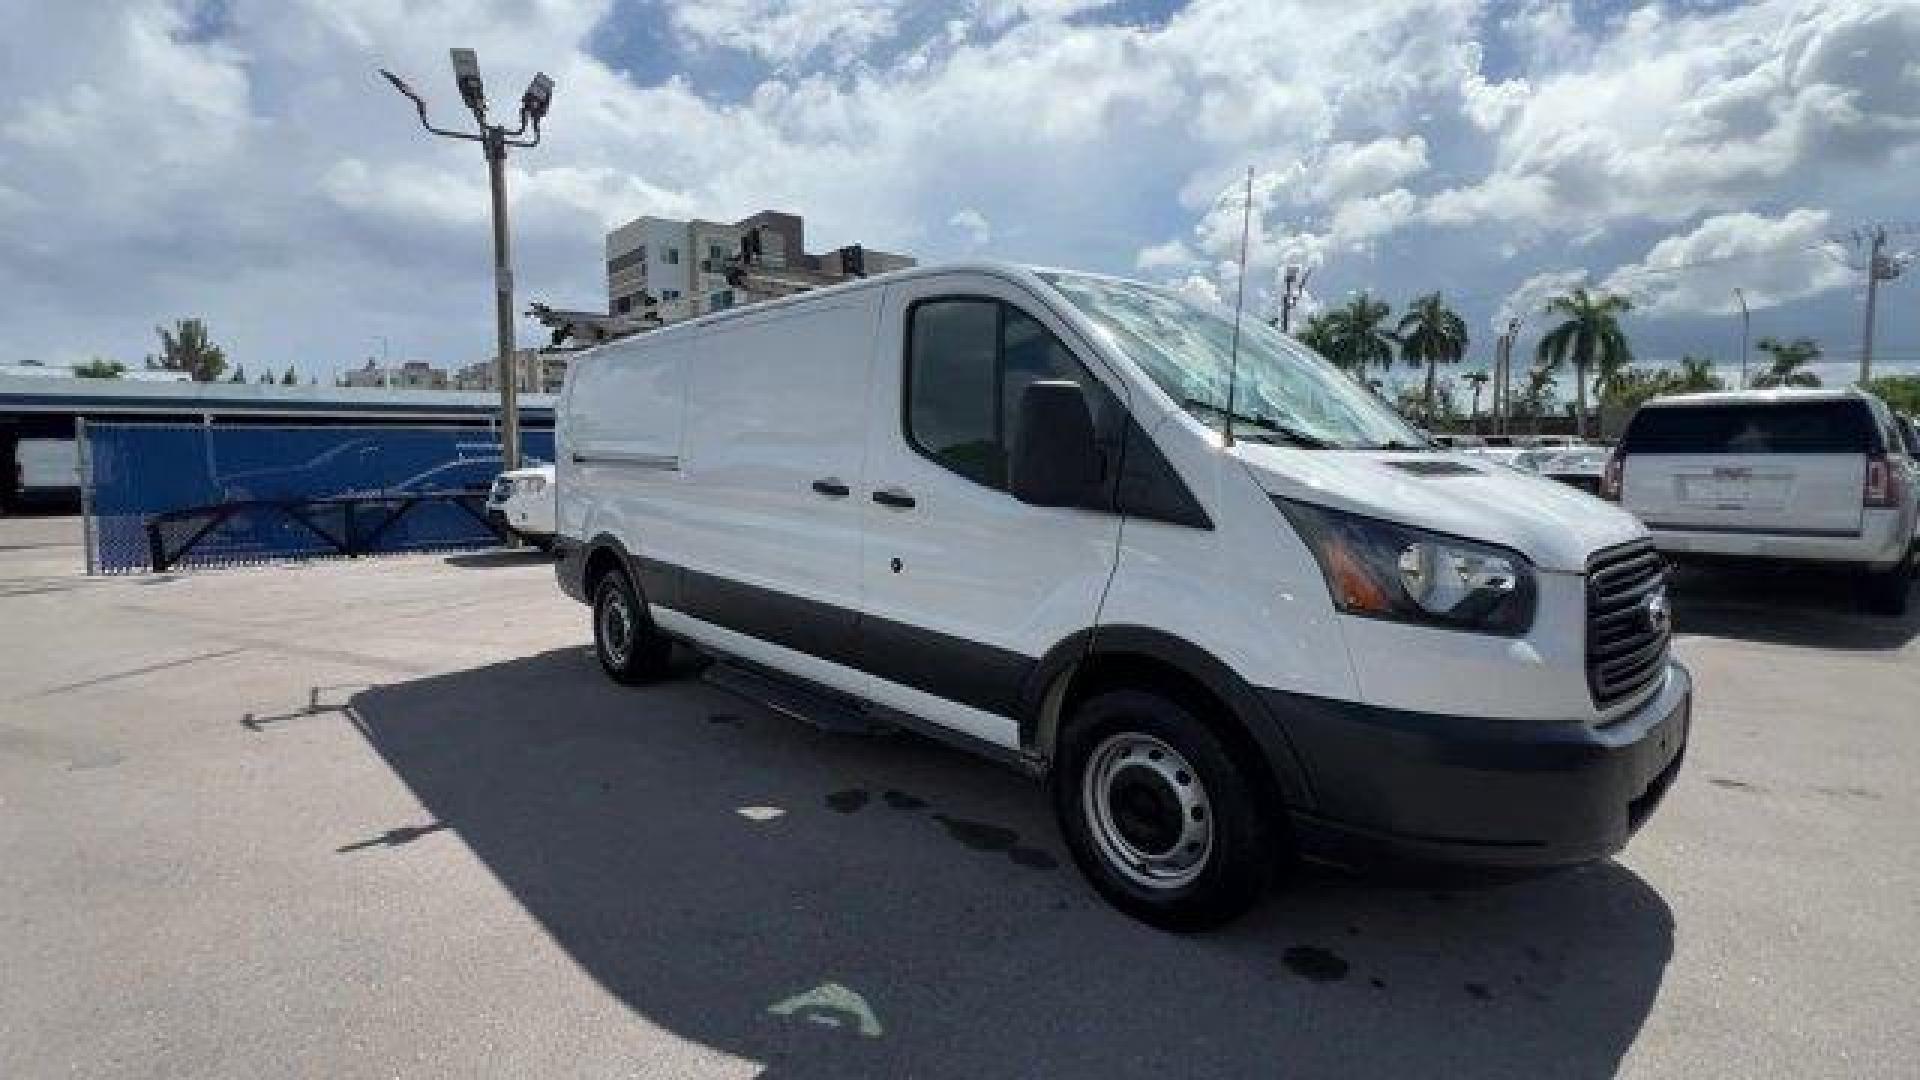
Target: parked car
(521,502)
(45,471)
(1810,476)
(1577,466)
(1010,508)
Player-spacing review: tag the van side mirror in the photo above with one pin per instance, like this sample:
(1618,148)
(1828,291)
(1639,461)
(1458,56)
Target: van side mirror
(1053,460)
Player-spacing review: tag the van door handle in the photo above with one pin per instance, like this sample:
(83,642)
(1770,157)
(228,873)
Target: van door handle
(893,497)
(832,488)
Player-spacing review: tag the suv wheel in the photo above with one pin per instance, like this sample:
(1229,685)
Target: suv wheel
(1156,814)
(629,648)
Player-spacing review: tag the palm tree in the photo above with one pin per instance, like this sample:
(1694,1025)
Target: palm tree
(1696,376)
(1358,335)
(1790,359)
(187,348)
(1432,334)
(1590,336)
(1478,379)
(1318,334)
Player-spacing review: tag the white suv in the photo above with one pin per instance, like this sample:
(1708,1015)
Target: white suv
(1816,476)
(521,502)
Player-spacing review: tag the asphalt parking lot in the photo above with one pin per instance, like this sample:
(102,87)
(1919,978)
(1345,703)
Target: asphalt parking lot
(386,818)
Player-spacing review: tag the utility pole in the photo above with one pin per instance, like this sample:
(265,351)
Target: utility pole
(1745,326)
(1503,376)
(494,140)
(1292,286)
(1879,268)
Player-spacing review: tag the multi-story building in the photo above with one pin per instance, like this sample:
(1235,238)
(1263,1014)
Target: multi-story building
(411,375)
(536,373)
(676,269)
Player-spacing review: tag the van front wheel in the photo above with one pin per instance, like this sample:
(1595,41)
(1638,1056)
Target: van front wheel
(1156,814)
(630,649)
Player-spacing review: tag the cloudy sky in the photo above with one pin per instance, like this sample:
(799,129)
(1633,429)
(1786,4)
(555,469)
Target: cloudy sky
(240,159)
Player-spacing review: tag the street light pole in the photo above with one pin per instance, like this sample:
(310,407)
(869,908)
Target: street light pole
(1745,326)
(494,140)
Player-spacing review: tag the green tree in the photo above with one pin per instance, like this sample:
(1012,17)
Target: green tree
(187,348)
(99,368)
(1318,335)
(1589,336)
(1696,376)
(1632,387)
(1536,397)
(1431,334)
(1358,337)
(1902,392)
(289,378)
(1789,363)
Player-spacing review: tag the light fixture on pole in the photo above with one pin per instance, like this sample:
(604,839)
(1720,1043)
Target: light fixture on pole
(494,140)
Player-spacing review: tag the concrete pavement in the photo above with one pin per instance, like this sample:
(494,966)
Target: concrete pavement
(386,818)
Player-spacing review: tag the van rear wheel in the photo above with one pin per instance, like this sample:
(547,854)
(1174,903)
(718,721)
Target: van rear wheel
(631,651)
(1157,815)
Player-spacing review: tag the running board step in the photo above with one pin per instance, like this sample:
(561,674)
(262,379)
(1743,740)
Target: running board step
(821,709)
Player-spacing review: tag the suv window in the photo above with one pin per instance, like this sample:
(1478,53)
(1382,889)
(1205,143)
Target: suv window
(1797,427)
(968,362)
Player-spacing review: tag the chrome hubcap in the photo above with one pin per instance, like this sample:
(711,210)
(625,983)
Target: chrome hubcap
(616,629)
(1147,810)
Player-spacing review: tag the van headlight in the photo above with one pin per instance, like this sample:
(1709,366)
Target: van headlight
(1382,570)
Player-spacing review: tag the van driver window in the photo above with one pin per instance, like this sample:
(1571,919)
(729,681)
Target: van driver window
(968,363)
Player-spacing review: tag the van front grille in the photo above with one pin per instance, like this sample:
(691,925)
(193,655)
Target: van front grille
(1628,625)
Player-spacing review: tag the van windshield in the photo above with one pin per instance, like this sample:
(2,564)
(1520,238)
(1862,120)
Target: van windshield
(1283,391)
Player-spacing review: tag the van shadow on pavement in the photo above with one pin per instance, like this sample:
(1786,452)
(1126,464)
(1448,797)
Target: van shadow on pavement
(1811,607)
(866,906)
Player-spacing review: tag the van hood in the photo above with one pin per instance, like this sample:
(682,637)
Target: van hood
(1554,525)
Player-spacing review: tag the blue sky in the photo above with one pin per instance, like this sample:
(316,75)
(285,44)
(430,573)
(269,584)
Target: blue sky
(239,160)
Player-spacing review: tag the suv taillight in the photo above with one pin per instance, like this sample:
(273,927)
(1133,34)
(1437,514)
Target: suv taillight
(1610,478)
(1879,489)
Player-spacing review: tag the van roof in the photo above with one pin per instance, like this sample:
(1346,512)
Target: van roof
(1011,271)
(1759,397)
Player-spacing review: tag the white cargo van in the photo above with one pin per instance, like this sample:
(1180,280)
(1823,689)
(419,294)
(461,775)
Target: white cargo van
(1806,476)
(1000,506)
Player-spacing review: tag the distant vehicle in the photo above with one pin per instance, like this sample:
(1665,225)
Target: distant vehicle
(1818,476)
(1579,466)
(1000,506)
(522,502)
(46,471)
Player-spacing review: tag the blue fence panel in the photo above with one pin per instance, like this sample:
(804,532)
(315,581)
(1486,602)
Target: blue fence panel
(225,495)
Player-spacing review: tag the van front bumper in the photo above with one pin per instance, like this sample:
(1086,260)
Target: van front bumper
(1401,787)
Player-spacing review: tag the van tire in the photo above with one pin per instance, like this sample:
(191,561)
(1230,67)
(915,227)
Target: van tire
(631,651)
(1112,800)
(1887,593)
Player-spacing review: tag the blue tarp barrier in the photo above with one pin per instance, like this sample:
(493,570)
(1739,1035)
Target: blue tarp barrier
(212,495)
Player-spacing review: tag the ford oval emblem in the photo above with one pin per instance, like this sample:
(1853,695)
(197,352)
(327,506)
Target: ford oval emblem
(1657,614)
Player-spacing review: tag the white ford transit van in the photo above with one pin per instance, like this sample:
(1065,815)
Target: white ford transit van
(1001,506)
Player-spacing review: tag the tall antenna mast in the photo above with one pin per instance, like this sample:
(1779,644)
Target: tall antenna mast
(1239,301)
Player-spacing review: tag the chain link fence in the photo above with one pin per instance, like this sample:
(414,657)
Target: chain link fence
(163,496)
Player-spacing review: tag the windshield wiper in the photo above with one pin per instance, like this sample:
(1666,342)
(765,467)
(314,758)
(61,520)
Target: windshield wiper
(1262,424)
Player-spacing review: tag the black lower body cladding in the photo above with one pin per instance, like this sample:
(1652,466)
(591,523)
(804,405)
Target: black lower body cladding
(1400,787)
